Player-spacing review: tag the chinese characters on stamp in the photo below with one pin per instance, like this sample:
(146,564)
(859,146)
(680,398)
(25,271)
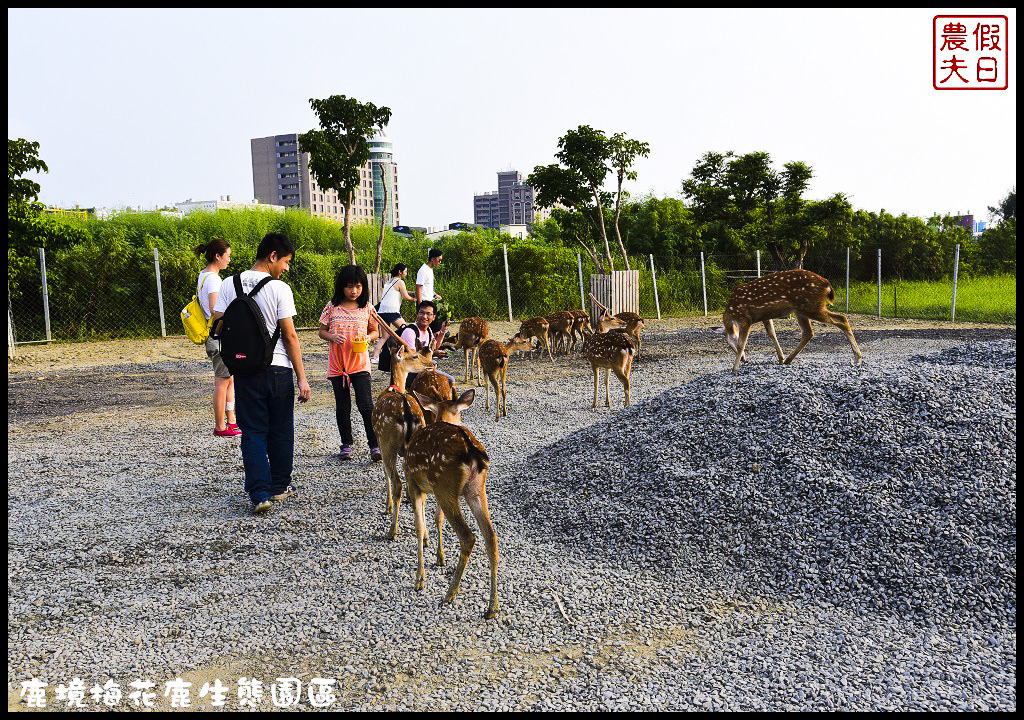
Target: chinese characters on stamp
(970,52)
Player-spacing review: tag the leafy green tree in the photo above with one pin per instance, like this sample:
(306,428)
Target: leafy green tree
(1006,209)
(340,147)
(623,153)
(23,208)
(565,191)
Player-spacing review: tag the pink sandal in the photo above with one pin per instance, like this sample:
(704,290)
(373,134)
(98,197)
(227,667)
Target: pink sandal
(229,431)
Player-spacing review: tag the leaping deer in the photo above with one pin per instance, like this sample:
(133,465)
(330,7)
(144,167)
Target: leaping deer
(779,295)
(446,460)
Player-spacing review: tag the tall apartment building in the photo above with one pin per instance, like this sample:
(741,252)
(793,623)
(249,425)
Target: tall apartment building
(511,204)
(280,176)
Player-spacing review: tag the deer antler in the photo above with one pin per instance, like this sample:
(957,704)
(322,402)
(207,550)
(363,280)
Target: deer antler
(387,328)
(598,303)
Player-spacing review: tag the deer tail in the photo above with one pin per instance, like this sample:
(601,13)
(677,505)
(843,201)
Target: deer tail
(477,455)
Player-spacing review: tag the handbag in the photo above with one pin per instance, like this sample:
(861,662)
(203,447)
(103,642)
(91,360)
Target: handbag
(197,327)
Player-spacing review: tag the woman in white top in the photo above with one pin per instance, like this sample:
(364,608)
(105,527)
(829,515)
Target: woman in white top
(218,255)
(391,304)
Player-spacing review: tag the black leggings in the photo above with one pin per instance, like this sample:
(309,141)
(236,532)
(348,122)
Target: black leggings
(360,382)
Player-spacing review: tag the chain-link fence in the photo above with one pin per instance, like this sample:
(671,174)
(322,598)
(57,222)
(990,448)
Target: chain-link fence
(80,297)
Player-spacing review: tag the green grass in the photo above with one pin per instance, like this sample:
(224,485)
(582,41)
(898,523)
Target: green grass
(980,299)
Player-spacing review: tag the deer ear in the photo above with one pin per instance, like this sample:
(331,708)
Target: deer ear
(427,403)
(466,399)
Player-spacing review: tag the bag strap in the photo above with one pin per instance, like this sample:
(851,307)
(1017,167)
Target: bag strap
(389,287)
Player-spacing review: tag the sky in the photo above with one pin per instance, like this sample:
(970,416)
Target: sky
(150,107)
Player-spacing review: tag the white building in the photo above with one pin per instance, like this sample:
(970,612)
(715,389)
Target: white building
(225,203)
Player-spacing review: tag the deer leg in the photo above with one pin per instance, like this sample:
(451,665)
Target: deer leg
(594,367)
(807,332)
(487,389)
(741,343)
(439,520)
(503,373)
(607,392)
(418,500)
(466,352)
(394,489)
(769,327)
(466,540)
(843,324)
(623,375)
(548,347)
(478,506)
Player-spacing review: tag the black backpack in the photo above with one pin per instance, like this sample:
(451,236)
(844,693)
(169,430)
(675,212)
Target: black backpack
(246,347)
(384,361)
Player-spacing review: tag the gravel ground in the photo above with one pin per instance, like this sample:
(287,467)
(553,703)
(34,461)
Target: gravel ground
(808,537)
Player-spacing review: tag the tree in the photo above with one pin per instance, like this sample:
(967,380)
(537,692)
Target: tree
(23,208)
(564,190)
(624,153)
(1006,209)
(585,152)
(340,148)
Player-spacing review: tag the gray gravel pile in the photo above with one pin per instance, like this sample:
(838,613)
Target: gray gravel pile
(890,487)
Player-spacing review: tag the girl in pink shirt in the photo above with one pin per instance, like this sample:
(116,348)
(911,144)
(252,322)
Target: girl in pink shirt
(346,325)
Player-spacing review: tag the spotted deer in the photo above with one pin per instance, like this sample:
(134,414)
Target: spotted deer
(472,332)
(779,295)
(537,327)
(446,460)
(634,324)
(396,416)
(580,327)
(560,329)
(612,352)
(434,385)
(494,358)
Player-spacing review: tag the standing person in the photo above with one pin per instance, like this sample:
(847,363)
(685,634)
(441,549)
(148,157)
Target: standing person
(218,255)
(265,400)
(425,285)
(423,332)
(391,304)
(346,324)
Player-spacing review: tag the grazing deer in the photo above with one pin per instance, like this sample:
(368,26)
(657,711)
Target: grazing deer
(472,332)
(494,358)
(779,295)
(580,327)
(612,352)
(560,329)
(536,327)
(447,461)
(396,416)
(634,324)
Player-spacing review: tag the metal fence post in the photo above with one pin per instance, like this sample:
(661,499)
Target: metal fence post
(159,292)
(703,283)
(10,324)
(847,278)
(759,263)
(508,286)
(654,284)
(956,274)
(583,296)
(46,292)
(879,283)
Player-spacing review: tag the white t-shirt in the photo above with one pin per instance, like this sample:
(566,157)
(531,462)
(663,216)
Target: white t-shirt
(425,277)
(275,300)
(209,282)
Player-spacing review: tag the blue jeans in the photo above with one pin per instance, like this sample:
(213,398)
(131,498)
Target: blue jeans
(265,406)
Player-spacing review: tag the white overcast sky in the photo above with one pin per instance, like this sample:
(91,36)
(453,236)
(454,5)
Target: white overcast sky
(148,107)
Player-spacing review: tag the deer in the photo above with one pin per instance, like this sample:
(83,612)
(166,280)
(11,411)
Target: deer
(634,324)
(396,416)
(494,358)
(537,327)
(472,332)
(580,327)
(446,460)
(560,329)
(779,295)
(612,352)
(433,385)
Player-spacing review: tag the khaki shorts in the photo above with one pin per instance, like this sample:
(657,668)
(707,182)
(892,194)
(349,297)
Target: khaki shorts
(213,352)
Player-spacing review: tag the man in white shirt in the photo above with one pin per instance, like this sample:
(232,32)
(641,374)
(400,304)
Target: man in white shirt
(425,283)
(264,402)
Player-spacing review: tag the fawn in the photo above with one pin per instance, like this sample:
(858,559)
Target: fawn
(446,460)
(613,352)
(396,416)
(779,295)
(494,358)
(634,324)
(560,329)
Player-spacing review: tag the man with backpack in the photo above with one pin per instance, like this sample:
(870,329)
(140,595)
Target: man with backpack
(253,319)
